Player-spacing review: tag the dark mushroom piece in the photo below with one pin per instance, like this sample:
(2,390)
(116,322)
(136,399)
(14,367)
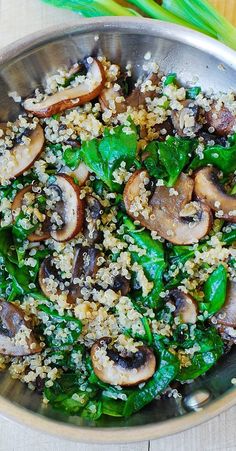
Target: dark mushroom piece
(93,214)
(222,120)
(175,218)
(70,208)
(43,231)
(126,369)
(185,121)
(70,97)
(136,99)
(121,284)
(185,306)
(16,335)
(208,189)
(22,156)
(225,319)
(227,315)
(46,270)
(85,265)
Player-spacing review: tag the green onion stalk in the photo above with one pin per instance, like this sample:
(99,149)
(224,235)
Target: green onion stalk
(93,8)
(205,17)
(197,14)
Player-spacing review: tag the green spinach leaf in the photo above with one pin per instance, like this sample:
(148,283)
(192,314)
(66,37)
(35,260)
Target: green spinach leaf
(103,156)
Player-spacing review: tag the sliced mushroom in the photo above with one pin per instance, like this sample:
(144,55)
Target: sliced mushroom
(70,97)
(185,306)
(48,271)
(93,214)
(81,173)
(208,189)
(173,217)
(225,319)
(16,336)
(227,315)
(70,208)
(43,232)
(136,99)
(22,156)
(126,369)
(85,265)
(222,120)
(185,121)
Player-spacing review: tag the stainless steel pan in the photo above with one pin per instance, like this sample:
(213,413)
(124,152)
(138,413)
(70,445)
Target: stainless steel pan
(23,67)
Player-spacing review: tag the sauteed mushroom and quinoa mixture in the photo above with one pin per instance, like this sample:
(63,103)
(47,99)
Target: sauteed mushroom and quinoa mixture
(117,238)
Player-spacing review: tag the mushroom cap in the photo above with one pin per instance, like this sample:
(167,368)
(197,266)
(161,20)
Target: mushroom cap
(93,214)
(136,99)
(185,120)
(22,156)
(227,315)
(222,120)
(70,97)
(208,189)
(185,306)
(44,233)
(124,370)
(171,216)
(72,208)
(16,336)
(46,270)
(85,265)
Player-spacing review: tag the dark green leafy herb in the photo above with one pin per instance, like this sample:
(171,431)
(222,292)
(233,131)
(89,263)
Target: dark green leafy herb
(105,155)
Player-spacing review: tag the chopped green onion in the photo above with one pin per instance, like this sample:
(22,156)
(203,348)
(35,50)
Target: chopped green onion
(192,93)
(170,79)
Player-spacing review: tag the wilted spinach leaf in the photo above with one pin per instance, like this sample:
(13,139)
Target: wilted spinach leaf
(215,291)
(167,159)
(152,262)
(210,350)
(223,158)
(105,155)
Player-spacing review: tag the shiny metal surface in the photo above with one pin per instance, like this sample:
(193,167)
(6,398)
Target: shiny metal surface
(23,67)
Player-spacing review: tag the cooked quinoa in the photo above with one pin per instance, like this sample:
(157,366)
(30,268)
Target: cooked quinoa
(117,238)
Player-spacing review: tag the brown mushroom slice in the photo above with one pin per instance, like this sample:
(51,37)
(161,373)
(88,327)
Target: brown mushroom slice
(125,370)
(185,120)
(93,214)
(136,99)
(22,156)
(48,271)
(185,306)
(208,189)
(16,336)
(222,120)
(175,217)
(227,315)
(88,90)
(85,265)
(43,232)
(70,208)
(81,173)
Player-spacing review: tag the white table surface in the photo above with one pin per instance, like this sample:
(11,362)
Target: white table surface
(18,18)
